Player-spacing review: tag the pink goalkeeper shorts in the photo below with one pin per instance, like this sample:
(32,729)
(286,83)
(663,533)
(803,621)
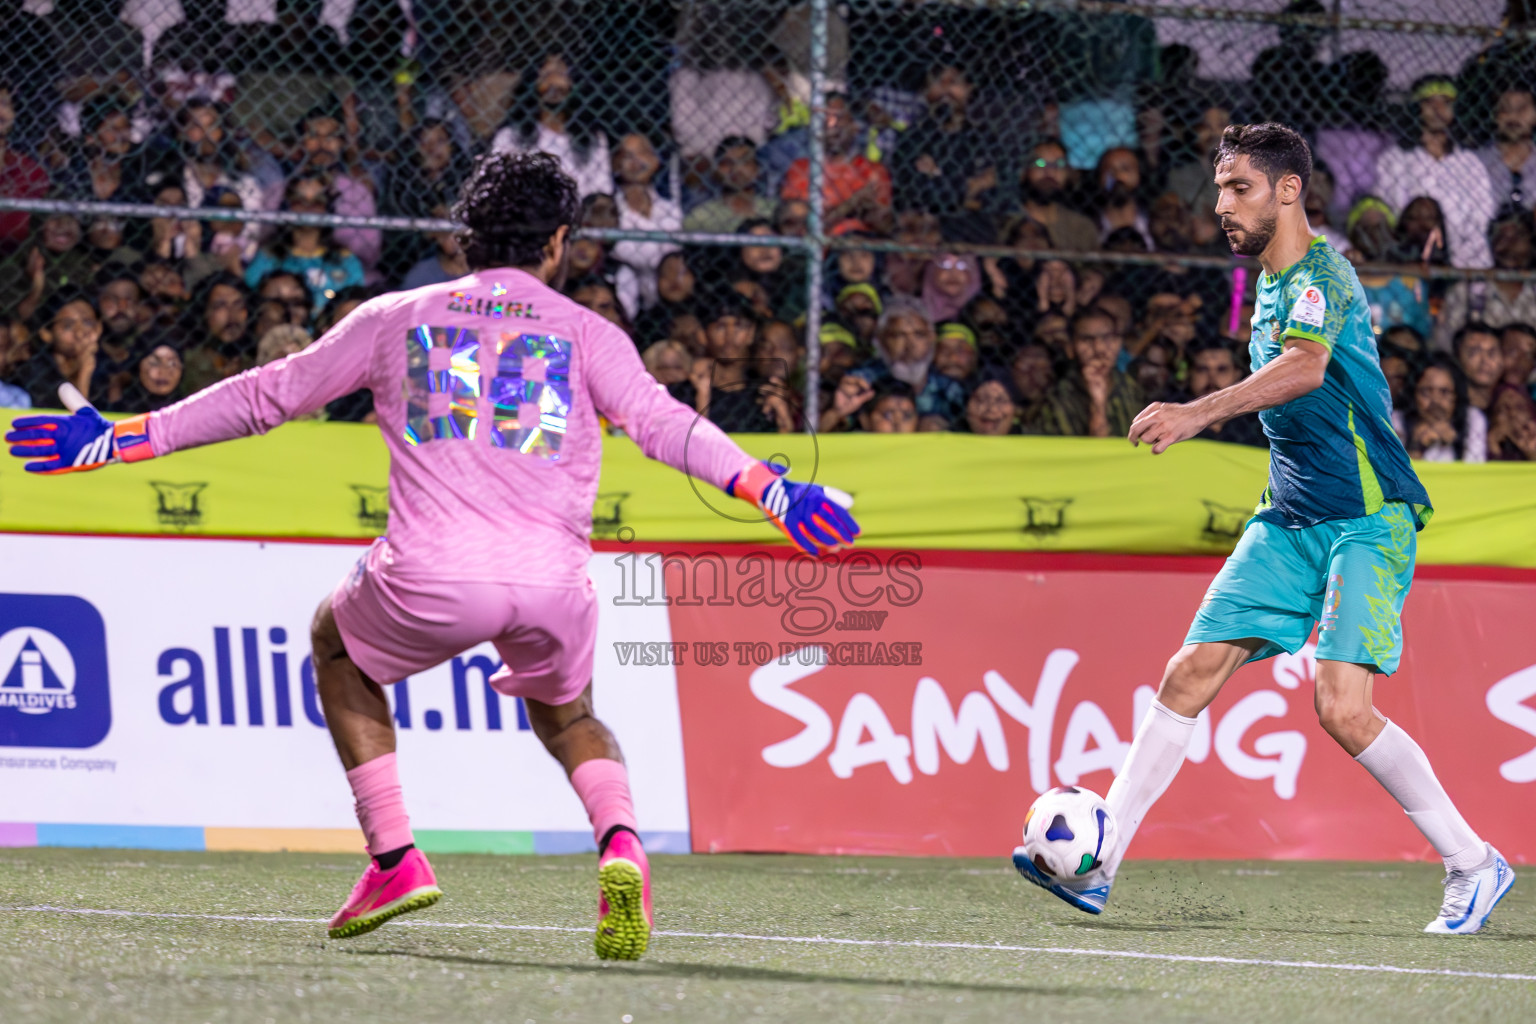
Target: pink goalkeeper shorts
(394,628)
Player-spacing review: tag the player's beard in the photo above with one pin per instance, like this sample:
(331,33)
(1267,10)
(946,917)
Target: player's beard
(1253,241)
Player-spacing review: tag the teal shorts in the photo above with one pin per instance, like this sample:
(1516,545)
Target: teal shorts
(1350,577)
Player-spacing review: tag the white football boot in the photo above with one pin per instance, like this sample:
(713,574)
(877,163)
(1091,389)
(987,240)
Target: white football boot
(1470,896)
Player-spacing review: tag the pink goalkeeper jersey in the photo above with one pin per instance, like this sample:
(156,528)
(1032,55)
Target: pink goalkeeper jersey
(488,391)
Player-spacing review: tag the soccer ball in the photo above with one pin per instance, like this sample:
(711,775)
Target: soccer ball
(1068,832)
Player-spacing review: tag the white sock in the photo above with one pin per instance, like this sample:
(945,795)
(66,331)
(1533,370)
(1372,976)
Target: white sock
(1155,757)
(1398,763)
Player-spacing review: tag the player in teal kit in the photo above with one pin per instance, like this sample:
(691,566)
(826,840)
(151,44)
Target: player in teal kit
(1331,543)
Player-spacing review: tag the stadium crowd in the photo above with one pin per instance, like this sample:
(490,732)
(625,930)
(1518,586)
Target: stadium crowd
(948,126)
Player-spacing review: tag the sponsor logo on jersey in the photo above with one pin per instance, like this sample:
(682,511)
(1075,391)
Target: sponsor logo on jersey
(1310,307)
(53,672)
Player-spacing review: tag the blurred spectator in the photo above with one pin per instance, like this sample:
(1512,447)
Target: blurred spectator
(766,274)
(1431,163)
(426,180)
(1277,69)
(1212,367)
(1512,430)
(1352,143)
(1519,345)
(955,353)
(1045,181)
(993,325)
(1480,354)
(207,157)
(1494,303)
(330,154)
(1094,399)
(1054,331)
(97,171)
(1441,426)
(853,188)
(904,344)
(1033,372)
(21,177)
(950,282)
(847,267)
(1421,233)
(221,347)
(993,406)
(282,297)
(1117,196)
(1511,158)
(313,252)
(229,247)
(716,92)
(840,352)
(446,264)
(1395,299)
(1319,195)
(1397,367)
(431,172)
(1153,371)
(592,257)
(946,164)
(642,208)
(54,260)
(677,288)
(892,410)
(68,330)
(598,295)
(1407,339)
(120,303)
(736,174)
(729,390)
(553,115)
(279,342)
(165,290)
(778,355)
(157,374)
(859,307)
(1195,181)
(668,361)
(904,271)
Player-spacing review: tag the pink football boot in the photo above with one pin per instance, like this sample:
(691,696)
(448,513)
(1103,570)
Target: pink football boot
(624,907)
(380,895)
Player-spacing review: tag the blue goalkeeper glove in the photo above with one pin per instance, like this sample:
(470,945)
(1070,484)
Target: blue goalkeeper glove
(80,441)
(815,518)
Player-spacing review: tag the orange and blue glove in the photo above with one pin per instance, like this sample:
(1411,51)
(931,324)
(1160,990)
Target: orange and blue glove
(815,518)
(80,441)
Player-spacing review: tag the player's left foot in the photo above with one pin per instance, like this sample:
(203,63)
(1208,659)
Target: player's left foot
(1088,894)
(624,907)
(1470,896)
(380,895)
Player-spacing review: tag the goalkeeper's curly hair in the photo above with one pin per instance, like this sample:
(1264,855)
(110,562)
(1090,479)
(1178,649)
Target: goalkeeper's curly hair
(511,205)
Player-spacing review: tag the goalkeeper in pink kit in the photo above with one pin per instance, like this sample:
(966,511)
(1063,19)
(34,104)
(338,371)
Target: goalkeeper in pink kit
(488,391)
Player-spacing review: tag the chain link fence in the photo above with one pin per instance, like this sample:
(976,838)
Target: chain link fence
(878,215)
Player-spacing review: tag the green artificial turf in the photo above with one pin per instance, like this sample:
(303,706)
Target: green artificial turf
(443,964)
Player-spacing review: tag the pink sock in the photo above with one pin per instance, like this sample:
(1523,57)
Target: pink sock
(380,805)
(603,785)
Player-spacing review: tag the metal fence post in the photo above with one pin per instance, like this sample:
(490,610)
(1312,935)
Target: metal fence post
(815,240)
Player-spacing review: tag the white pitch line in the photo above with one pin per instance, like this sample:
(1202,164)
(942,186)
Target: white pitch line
(825,940)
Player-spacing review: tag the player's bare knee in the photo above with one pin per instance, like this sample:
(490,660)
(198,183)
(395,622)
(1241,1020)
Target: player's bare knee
(324,634)
(1344,718)
(1191,681)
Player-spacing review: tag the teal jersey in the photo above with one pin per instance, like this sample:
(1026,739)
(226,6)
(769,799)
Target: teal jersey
(1332,452)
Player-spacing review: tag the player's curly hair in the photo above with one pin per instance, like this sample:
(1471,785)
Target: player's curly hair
(1273,149)
(510,206)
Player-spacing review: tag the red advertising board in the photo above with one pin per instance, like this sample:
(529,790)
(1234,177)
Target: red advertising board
(916,703)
